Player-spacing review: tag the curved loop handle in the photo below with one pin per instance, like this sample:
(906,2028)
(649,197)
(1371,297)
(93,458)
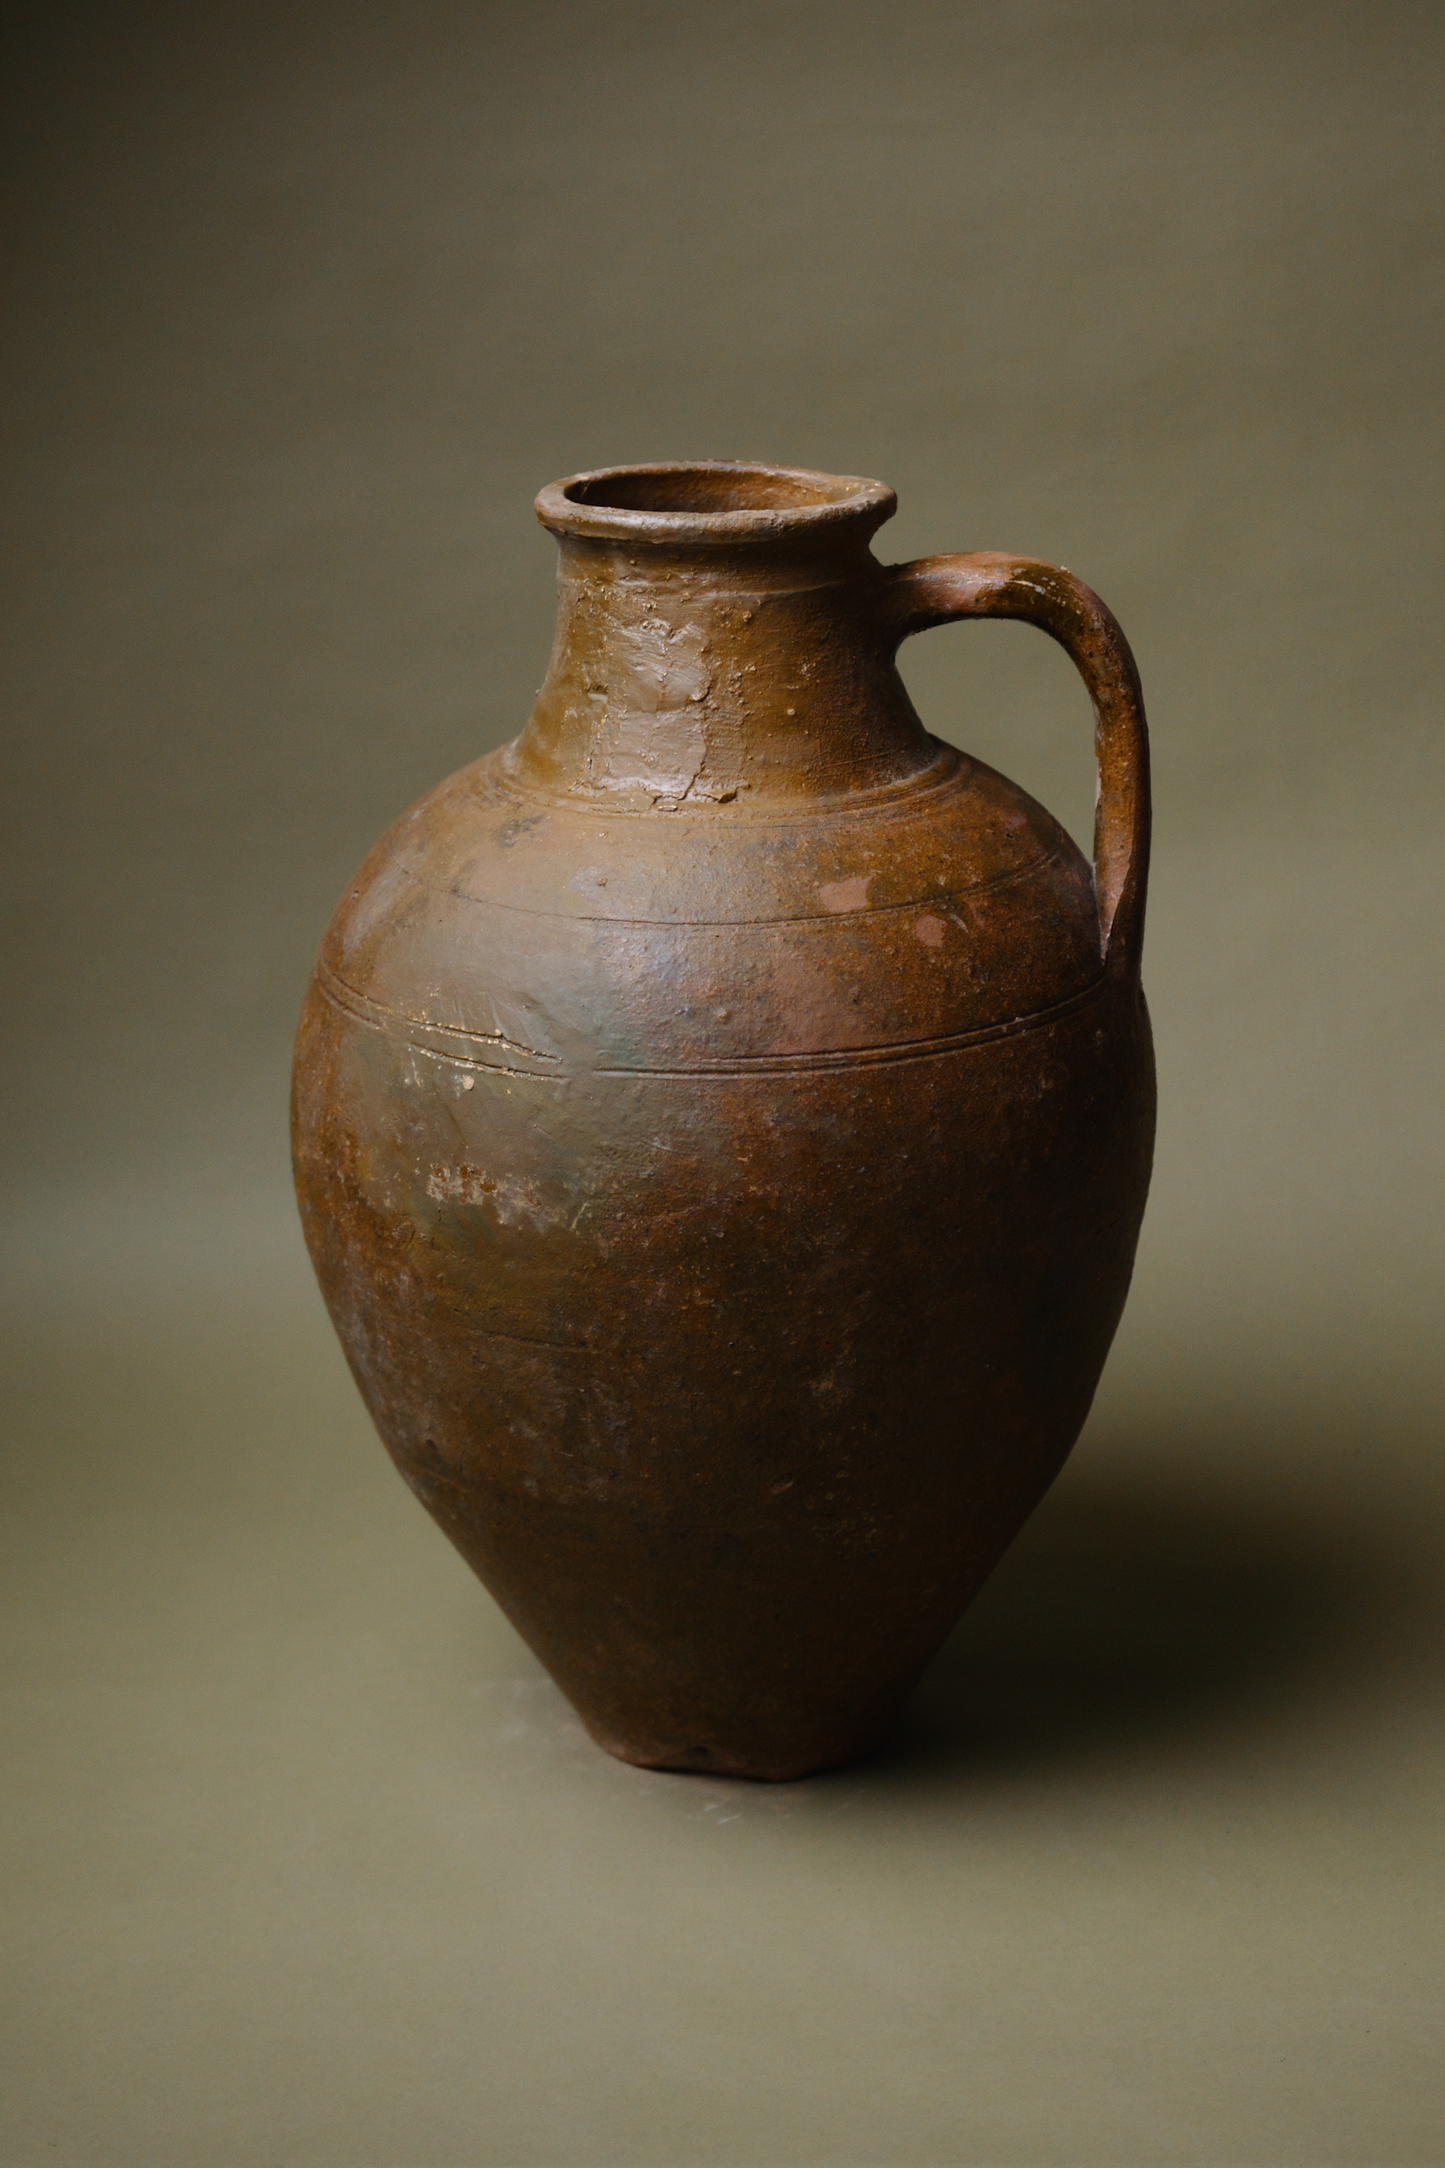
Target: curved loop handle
(990,583)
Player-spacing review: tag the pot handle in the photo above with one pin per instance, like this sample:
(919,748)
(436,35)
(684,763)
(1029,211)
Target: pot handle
(991,583)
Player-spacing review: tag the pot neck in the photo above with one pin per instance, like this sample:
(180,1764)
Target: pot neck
(717,646)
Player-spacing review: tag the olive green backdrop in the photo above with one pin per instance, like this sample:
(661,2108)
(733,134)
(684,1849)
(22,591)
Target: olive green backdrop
(307,1863)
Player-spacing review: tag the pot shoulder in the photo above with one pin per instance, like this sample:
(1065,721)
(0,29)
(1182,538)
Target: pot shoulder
(563,932)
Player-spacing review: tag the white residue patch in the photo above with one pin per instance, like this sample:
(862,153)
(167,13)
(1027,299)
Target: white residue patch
(513,1197)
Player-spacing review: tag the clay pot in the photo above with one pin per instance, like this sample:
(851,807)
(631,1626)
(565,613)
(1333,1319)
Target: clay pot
(723,1119)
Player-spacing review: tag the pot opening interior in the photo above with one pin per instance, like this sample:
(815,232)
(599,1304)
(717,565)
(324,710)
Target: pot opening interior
(708,489)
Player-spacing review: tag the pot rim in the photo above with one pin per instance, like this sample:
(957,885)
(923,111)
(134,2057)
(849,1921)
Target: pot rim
(786,502)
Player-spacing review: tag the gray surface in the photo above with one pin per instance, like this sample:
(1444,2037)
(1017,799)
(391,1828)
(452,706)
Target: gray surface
(307,1861)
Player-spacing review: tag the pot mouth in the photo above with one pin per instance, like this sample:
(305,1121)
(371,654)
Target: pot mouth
(702,501)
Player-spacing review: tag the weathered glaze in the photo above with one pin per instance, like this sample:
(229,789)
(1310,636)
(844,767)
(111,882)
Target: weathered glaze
(723,1119)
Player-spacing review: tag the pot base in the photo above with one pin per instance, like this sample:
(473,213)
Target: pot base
(754,1768)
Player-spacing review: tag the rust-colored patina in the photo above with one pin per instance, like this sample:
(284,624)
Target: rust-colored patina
(723,1119)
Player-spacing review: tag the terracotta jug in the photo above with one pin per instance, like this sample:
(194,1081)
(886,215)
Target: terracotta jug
(723,1119)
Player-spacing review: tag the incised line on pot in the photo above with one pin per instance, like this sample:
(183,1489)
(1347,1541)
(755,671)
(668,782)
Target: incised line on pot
(484,1045)
(375,1016)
